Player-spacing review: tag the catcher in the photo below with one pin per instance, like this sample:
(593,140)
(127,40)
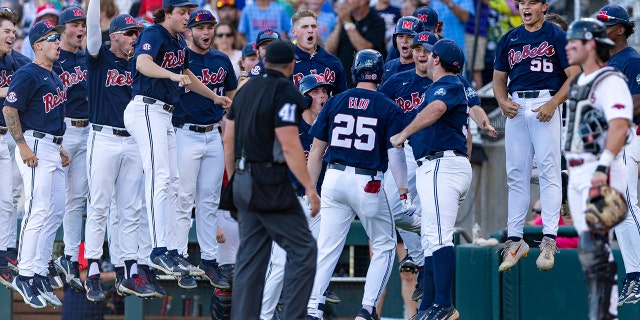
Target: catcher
(599,113)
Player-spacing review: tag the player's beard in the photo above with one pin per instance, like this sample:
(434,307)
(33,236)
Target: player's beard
(200,45)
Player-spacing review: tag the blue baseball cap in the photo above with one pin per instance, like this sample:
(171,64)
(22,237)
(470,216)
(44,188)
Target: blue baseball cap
(123,22)
(71,14)
(612,15)
(249,49)
(266,35)
(177,3)
(449,52)
(199,17)
(41,28)
(426,39)
(428,16)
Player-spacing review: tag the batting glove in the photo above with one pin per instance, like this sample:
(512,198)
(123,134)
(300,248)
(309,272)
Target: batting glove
(408,207)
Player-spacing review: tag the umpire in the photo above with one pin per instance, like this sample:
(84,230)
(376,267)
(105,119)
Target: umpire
(261,149)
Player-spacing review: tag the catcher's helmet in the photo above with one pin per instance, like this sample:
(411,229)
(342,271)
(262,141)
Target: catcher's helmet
(589,29)
(606,208)
(593,125)
(368,66)
(407,25)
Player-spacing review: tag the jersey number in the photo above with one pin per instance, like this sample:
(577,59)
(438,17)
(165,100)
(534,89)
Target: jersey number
(542,65)
(287,113)
(345,125)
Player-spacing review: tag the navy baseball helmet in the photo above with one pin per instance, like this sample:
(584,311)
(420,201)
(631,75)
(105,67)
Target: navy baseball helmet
(266,35)
(612,15)
(310,82)
(368,66)
(589,29)
(407,25)
(428,16)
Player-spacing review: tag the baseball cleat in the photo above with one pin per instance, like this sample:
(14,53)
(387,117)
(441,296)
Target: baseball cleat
(548,250)
(331,297)
(438,312)
(43,288)
(26,288)
(137,286)
(417,294)
(187,282)
(408,265)
(119,279)
(185,264)
(365,315)
(167,264)
(54,278)
(309,317)
(214,275)
(421,315)
(633,293)
(70,271)
(94,289)
(12,259)
(6,276)
(512,252)
(150,277)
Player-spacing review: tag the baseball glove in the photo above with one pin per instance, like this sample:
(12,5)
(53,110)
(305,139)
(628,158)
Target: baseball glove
(606,208)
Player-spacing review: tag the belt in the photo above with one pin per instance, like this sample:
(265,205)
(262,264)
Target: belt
(532,94)
(342,167)
(81,123)
(42,135)
(3,131)
(167,107)
(576,162)
(440,154)
(115,131)
(197,127)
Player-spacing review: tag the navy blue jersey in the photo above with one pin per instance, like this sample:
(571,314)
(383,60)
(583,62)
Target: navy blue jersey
(323,63)
(109,88)
(357,125)
(214,70)
(20,58)
(627,61)
(394,66)
(472,95)
(407,90)
(257,69)
(450,131)
(72,69)
(394,53)
(8,66)
(307,140)
(533,60)
(39,95)
(168,52)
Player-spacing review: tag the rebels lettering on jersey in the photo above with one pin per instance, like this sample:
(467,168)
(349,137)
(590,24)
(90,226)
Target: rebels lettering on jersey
(53,100)
(407,90)
(627,61)
(71,79)
(357,125)
(533,60)
(5,78)
(72,69)
(114,78)
(322,62)
(329,76)
(173,60)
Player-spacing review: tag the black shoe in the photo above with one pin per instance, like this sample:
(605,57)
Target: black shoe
(185,264)
(443,313)
(168,264)
(365,315)
(187,282)
(12,259)
(417,294)
(6,276)
(44,289)
(28,291)
(70,271)
(94,289)
(214,275)
(54,278)
(408,265)
(137,286)
(150,277)
(331,296)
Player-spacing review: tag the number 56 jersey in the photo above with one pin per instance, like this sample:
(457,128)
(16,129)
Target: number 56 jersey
(534,60)
(357,125)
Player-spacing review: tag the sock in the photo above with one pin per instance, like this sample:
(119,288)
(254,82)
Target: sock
(514,239)
(552,236)
(94,268)
(428,287)
(133,271)
(368,308)
(3,258)
(209,262)
(173,252)
(128,265)
(633,275)
(158,251)
(120,271)
(444,262)
(68,257)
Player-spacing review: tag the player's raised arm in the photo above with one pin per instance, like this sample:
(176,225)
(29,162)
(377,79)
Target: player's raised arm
(94,35)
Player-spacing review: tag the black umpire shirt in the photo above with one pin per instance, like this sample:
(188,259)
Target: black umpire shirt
(264,103)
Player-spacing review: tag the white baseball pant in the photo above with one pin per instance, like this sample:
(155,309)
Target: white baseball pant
(525,136)
(628,232)
(44,205)
(150,125)
(7,211)
(113,235)
(228,250)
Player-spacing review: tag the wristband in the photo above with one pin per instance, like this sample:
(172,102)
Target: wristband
(602,169)
(606,158)
(349,26)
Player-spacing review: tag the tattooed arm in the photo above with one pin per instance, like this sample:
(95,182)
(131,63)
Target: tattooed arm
(12,119)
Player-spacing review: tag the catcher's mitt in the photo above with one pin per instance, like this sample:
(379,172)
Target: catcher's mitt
(606,208)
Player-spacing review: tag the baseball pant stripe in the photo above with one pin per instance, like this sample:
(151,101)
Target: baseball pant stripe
(151,205)
(25,221)
(93,144)
(629,204)
(435,197)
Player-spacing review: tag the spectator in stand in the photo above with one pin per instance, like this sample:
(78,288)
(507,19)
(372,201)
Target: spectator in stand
(249,60)
(408,7)
(262,15)
(561,242)
(44,12)
(225,41)
(326,20)
(454,15)
(475,63)
(390,15)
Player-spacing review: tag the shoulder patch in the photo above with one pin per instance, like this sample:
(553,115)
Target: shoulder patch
(440,92)
(255,70)
(146,46)
(471,92)
(638,79)
(12,97)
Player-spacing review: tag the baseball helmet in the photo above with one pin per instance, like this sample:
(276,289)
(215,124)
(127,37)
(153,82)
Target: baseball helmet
(368,66)
(310,82)
(606,208)
(407,25)
(589,29)
(266,35)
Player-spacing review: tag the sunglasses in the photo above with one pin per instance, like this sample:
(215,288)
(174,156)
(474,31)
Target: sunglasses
(606,18)
(222,3)
(203,16)
(224,35)
(129,33)
(52,38)
(538,211)
(5,9)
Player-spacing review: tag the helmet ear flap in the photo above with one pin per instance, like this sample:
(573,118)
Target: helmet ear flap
(308,100)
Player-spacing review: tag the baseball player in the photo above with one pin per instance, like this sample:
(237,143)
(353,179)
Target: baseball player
(8,213)
(430,23)
(312,58)
(114,167)
(200,153)
(355,126)
(34,114)
(262,41)
(406,30)
(444,173)
(600,110)
(72,69)
(160,74)
(626,60)
(531,57)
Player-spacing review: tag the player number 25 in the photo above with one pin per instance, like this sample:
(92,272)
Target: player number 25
(541,65)
(345,125)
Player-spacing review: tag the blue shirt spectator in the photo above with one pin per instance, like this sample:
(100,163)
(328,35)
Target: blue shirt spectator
(262,15)
(454,14)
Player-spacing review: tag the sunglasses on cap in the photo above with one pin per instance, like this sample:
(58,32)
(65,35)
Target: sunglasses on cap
(52,38)
(128,33)
(6,9)
(203,16)
(607,18)
(222,3)
(538,211)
